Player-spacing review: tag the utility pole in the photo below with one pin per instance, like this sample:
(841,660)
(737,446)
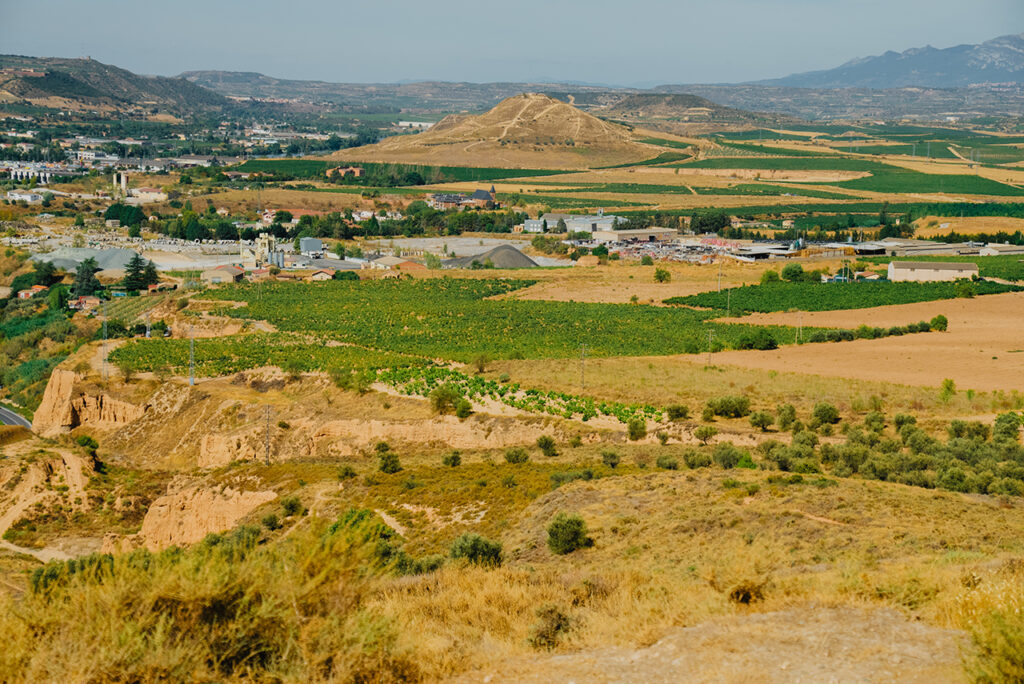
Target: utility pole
(267,437)
(583,359)
(104,350)
(191,357)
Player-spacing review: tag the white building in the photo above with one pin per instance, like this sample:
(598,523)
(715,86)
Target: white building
(574,223)
(24,196)
(930,271)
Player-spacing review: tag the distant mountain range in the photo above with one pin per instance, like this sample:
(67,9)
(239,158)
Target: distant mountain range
(1000,60)
(88,84)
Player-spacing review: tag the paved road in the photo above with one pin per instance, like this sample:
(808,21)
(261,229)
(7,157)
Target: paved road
(8,417)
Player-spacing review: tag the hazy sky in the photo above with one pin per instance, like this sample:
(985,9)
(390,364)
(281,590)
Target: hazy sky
(630,42)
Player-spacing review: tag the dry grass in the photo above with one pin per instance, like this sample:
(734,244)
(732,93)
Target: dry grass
(982,350)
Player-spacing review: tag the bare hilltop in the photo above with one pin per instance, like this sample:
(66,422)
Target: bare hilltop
(520,132)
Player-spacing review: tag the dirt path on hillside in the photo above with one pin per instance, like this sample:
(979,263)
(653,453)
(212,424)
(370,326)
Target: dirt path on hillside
(808,644)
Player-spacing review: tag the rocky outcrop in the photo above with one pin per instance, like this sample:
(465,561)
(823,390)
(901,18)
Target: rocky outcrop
(347,437)
(188,515)
(65,406)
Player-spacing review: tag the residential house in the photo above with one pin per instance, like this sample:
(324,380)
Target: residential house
(322,274)
(346,172)
(442,201)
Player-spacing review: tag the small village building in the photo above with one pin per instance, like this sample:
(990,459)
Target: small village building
(346,172)
(322,274)
(32,291)
(928,272)
(392,263)
(147,195)
(221,274)
(443,201)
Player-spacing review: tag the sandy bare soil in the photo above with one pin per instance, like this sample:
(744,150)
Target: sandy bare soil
(809,644)
(971,225)
(983,348)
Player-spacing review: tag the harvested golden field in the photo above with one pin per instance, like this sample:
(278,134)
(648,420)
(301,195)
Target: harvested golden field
(619,283)
(982,350)
(931,226)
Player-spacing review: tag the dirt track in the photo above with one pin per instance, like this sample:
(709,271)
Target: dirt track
(811,644)
(982,350)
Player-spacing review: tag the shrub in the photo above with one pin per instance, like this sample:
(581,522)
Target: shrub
(948,389)
(463,409)
(546,444)
(874,421)
(445,398)
(707,414)
(792,272)
(762,420)
(567,533)
(551,625)
(726,455)
(389,463)
(825,413)
(730,407)
(940,323)
(705,432)
(271,522)
(481,362)
(663,438)
(291,506)
(662,275)
(998,637)
(677,412)
(964,289)
(1007,427)
(346,472)
(901,419)
(668,462)
(516,455)
(757,339)
(636,428)
(786,415)
(770,276)
(646,260)
(610,458)
(476,549)
(696,459)
(452,459)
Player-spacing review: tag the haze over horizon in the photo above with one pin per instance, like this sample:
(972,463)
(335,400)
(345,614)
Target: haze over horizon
(647,43)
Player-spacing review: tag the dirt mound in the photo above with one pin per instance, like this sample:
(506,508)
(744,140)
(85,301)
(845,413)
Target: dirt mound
(810,644)
(525,130)
(502,256)
(189,514)
(66,405)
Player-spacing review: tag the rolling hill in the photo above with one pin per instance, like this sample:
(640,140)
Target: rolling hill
(528,130)
(88,84)
(1000,60)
